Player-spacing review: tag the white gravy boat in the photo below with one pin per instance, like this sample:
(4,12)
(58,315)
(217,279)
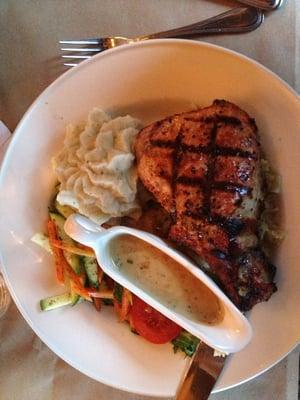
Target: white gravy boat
(230,335)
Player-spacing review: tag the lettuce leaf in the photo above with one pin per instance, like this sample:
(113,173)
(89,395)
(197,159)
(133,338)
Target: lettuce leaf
(185,342)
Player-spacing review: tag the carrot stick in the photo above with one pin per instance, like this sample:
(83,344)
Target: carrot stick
(117,308)
(73,249)
(71,274)
(125,305)
(100,275)
(82,291)
(131,323)
(102,294)
(84,247)
(97,303)
(109,282)
(58,254)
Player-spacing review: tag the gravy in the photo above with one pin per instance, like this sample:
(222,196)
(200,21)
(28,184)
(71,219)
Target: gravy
(165,280)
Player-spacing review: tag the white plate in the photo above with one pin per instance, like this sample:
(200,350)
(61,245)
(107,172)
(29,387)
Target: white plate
(149,80)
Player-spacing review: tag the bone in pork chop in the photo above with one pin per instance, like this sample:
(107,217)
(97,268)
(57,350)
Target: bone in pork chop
(203,167)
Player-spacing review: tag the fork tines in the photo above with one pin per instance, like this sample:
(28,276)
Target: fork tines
(76,54)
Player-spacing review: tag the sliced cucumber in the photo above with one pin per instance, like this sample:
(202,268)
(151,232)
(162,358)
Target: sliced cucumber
(42,240)
(91,269)
(75,298)
(60,300)
(60,222)
(73,259)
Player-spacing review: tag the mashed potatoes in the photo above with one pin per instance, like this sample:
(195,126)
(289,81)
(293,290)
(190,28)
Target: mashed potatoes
(96,167)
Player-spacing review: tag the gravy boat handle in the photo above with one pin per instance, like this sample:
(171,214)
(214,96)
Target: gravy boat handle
(87,232)
(83,230)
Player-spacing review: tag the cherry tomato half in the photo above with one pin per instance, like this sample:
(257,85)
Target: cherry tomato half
(151,324)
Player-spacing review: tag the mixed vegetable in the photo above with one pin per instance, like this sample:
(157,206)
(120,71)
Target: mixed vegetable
(77,269)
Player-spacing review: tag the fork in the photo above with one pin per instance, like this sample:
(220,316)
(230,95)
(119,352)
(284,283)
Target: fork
(236,20)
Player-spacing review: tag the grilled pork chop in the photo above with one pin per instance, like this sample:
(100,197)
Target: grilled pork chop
(203,167)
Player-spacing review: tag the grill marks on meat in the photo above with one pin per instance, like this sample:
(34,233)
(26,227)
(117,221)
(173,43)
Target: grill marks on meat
(203,168)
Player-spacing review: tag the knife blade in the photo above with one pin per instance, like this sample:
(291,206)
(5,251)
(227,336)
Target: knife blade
(263,4)
(201,375)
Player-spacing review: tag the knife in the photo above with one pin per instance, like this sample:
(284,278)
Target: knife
(205,367)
